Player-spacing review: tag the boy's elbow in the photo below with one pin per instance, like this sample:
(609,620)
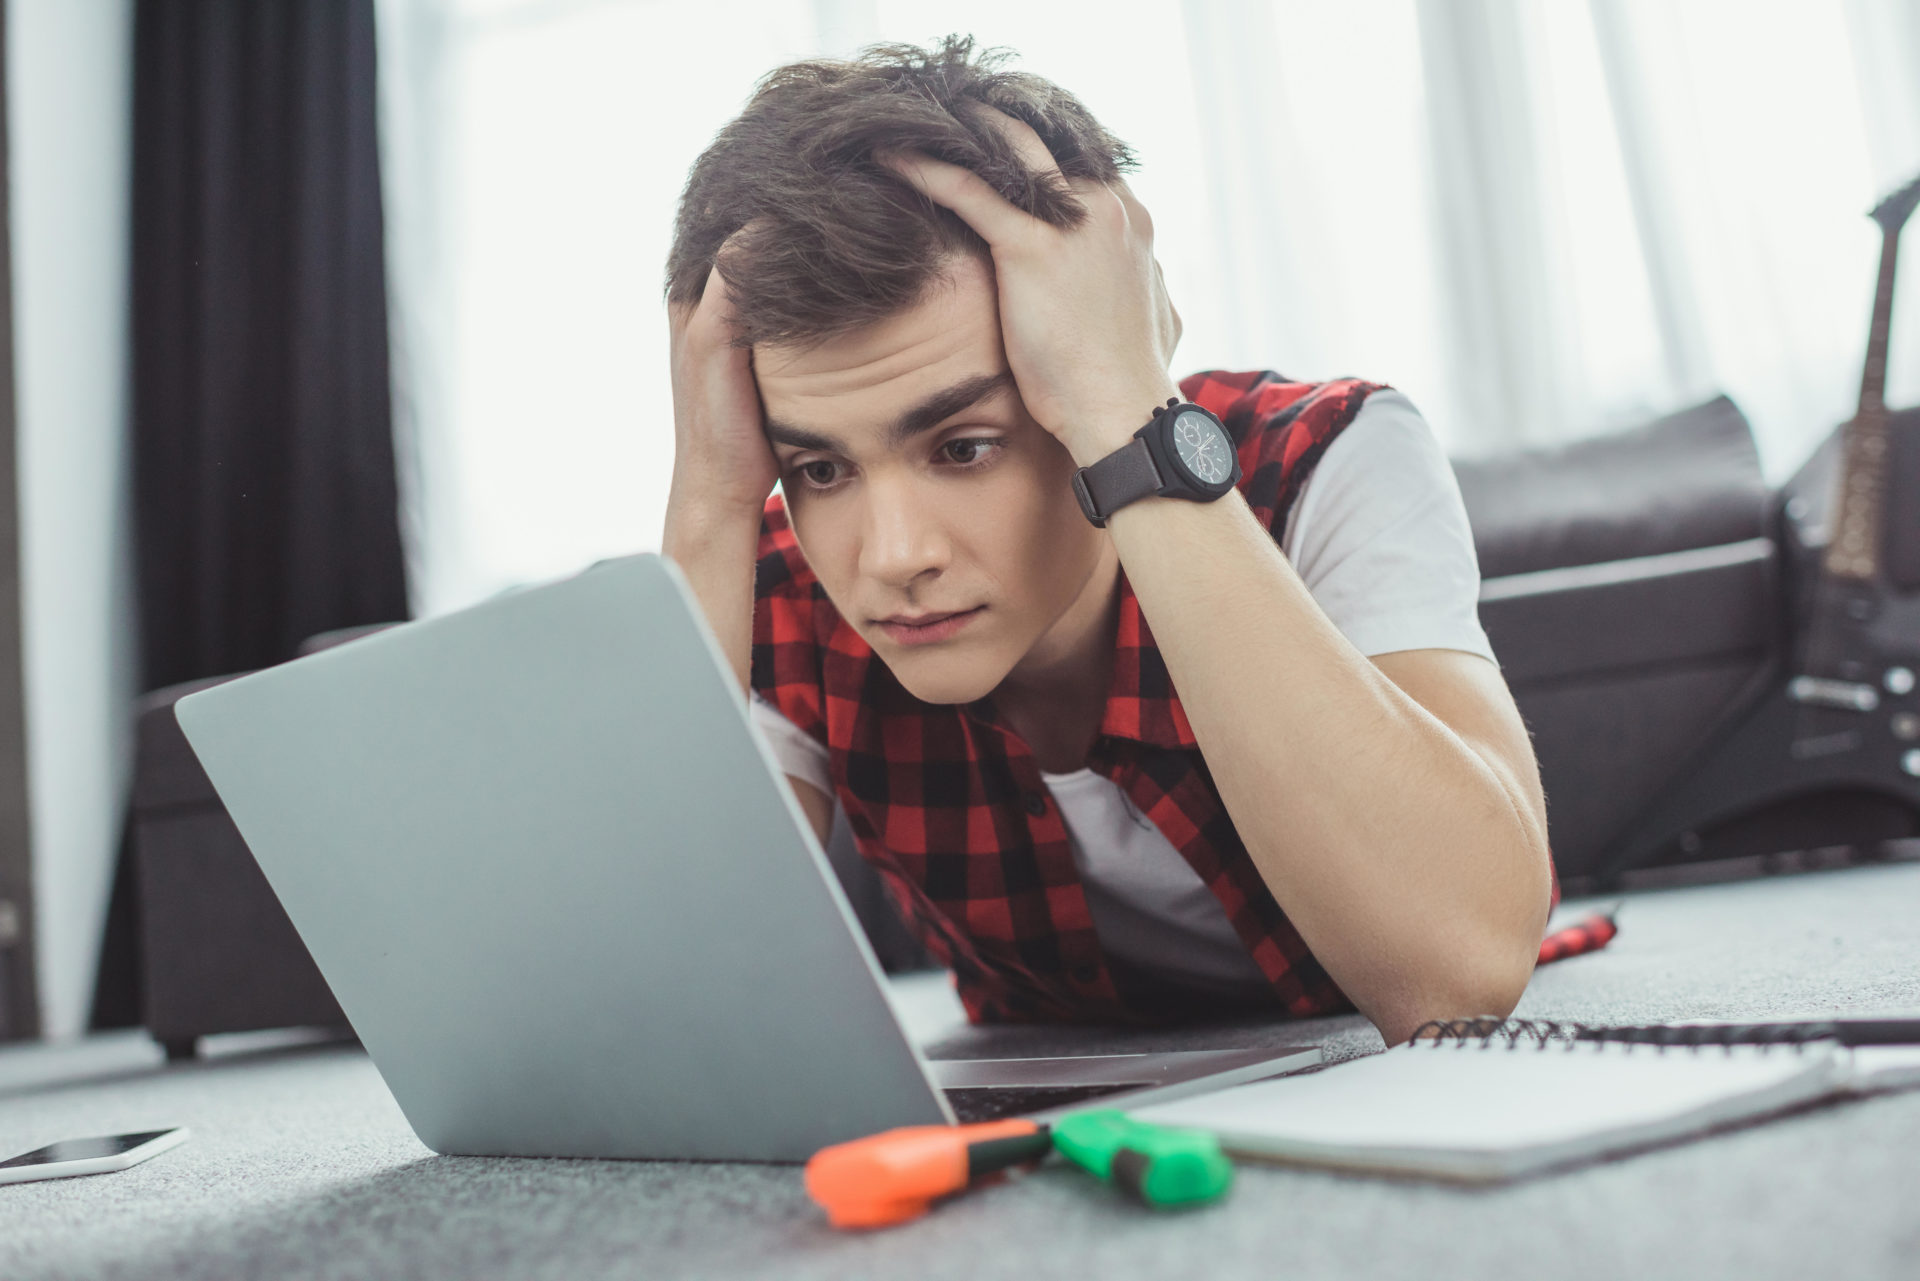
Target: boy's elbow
(1490,988)
(1483,972)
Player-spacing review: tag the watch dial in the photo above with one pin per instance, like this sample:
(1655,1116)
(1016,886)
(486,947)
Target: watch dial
(1204,448)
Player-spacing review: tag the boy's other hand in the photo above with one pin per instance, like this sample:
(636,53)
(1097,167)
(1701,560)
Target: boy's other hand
(721,458)
(1084,313)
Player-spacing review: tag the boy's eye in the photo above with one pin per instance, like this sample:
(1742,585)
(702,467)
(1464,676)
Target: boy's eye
(823,474)
(971,444)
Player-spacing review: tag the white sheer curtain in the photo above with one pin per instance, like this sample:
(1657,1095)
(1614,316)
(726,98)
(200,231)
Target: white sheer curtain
(1538,218)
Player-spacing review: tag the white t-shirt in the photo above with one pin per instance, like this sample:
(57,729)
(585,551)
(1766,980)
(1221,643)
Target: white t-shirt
(1379,535)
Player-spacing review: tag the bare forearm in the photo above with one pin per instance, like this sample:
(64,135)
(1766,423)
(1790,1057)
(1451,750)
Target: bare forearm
(1404,858)
(714,543)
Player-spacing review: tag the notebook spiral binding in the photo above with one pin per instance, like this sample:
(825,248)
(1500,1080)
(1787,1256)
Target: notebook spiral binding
(1542,1033)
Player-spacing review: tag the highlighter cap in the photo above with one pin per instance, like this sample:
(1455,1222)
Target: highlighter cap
(1158,1165)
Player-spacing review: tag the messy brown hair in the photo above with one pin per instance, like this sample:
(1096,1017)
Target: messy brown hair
(838,240)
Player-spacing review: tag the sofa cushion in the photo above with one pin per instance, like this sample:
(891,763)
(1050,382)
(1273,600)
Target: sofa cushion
(1686,480)
(1620,553)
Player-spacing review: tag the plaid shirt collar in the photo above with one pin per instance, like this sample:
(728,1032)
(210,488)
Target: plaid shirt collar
(1153,718)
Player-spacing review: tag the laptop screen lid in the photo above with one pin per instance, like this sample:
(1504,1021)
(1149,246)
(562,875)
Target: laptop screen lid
(557,884)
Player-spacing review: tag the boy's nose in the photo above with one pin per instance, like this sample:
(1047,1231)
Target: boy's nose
(901,539)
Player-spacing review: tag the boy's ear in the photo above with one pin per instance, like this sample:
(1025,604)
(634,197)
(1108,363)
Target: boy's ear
(1173,312)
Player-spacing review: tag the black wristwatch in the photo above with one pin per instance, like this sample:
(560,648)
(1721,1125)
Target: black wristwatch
(1183,452)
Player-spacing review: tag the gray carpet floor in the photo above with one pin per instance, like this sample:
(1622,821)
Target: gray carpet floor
(302,1166)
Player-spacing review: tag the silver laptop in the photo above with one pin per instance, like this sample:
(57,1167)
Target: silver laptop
(556,881)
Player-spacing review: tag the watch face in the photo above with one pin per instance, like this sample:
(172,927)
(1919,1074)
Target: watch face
(1203,446)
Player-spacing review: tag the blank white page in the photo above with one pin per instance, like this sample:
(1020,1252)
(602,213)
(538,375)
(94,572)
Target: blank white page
(1463,1111)
(1884,1067)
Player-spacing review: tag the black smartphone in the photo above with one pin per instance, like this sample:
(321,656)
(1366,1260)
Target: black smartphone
(89,1156)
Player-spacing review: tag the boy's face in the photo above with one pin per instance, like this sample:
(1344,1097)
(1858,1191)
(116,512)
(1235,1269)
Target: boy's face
(970,512)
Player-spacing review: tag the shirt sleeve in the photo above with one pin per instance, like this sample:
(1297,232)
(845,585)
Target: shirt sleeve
(799,753)
(793,625)
(1380,537)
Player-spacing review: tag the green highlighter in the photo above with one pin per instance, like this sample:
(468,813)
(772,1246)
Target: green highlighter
(1161,1167)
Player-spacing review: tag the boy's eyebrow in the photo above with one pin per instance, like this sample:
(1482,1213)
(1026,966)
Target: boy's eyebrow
(925,416)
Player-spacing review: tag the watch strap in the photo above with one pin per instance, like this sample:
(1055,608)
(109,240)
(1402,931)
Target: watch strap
(1121,477)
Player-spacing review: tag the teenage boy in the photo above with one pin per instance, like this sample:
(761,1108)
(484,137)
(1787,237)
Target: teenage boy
(1138,711)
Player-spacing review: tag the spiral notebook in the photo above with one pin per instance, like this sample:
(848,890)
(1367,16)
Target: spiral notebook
(1494,1101)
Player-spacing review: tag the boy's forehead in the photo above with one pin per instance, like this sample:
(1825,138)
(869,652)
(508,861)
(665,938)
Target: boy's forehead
(857,385)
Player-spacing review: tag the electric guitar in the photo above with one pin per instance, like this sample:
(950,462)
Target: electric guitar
(1825,748)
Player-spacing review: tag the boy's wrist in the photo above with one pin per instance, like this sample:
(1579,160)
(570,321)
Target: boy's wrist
(698,518)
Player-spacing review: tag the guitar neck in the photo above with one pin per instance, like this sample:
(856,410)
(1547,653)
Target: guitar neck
(1873,378)
(1853,550)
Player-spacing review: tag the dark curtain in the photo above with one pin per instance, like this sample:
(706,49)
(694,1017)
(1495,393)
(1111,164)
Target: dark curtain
(264,486)
(263,444)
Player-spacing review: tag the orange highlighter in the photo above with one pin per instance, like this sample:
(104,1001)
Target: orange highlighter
(897,1175)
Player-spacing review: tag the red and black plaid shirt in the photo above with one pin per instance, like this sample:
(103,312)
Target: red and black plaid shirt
(947,802)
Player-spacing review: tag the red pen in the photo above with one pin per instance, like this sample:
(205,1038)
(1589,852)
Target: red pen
(1588,935)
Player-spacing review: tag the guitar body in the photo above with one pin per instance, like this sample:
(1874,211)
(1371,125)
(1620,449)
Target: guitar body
(1785,775)
(1824,749)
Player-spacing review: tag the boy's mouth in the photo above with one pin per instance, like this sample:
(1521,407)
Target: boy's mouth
(925,629)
